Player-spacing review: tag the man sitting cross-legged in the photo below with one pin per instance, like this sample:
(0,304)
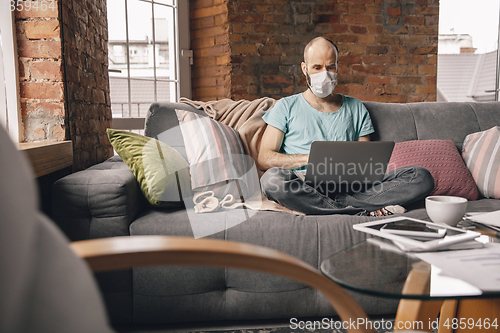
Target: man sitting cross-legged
(319,114)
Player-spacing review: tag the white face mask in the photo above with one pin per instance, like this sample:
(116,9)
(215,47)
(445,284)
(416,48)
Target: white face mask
(323,83)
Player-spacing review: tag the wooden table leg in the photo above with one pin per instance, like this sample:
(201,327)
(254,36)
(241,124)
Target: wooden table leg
(448,311)
(417,315)
(470,315)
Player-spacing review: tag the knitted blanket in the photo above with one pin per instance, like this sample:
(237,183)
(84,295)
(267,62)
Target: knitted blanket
(246,118)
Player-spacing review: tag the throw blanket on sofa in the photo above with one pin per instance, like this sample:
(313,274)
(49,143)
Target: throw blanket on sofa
(246,118)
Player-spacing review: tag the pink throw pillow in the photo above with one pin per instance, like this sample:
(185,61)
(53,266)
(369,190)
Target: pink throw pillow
(442,159)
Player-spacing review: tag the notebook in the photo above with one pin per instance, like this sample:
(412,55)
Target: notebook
(347,166)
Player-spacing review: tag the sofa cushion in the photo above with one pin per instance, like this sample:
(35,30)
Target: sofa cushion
(162,124)
(216,155)
(392,122)
(444,121)
(163,294)
(481,153)
(161,171)
(442,159)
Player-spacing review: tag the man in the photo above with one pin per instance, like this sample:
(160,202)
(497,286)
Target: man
(318,114)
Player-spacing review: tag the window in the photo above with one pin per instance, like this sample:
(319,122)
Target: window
(9,79)
(152,34)
(468,51)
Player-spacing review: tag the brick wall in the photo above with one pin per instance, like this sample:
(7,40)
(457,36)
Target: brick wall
(85,39)
(388,48)
(210,43)
(40,70)
(64,78)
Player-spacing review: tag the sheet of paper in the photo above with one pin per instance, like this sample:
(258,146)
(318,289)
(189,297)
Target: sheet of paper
(491,218)
(479,267)
(443,285)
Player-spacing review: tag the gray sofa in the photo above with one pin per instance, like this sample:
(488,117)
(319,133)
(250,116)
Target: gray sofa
(105,201)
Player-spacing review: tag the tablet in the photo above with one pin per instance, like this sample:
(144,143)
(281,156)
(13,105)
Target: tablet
(414,229)
(416,244)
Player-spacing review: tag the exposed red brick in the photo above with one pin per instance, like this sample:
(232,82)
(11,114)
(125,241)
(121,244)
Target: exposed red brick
(194,4)
(428,89)
(379,79)
(349,59)
(394,11)
(214,51)
(431,80)
(223,60)
(202,23)
(42,29)
(214,31)
(42,90)
(427,69)
(245,49)
(426,11)
(357,29)
(205,62)
(414,20)
(357,9)
(418,59)
(209,11)
(357,89)
(357,49)
(358,19)
(58,133)
(424,50)
(374,69)
(39,49)
(46,70)
(391,40)
(278,79)
(263,8)
(24,109)
(384,48)
(37,10)
(367,39)
(52,108)
(375,89)
(392,89)
(220,19)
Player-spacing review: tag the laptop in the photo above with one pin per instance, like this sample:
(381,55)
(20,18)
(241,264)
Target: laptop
(347,166)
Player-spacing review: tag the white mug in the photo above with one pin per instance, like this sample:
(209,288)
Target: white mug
(444,209)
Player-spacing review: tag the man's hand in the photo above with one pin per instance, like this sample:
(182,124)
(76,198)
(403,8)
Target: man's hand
(269,155)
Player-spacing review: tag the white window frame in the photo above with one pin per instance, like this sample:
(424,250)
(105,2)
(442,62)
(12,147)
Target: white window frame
(185,55)
(179,54)
(9,77)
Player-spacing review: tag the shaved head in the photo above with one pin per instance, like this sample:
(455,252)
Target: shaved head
(319,42)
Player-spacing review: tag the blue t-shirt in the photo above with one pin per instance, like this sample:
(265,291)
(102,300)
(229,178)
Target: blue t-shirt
(303,124)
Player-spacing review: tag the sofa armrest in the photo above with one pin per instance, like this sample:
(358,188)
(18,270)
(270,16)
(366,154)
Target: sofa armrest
(101,201)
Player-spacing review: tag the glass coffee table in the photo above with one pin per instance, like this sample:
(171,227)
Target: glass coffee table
(376,267)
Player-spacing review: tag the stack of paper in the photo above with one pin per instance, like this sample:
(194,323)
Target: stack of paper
(491,219)
(480,267)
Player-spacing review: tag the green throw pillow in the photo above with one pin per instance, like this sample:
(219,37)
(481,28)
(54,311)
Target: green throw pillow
(162,173)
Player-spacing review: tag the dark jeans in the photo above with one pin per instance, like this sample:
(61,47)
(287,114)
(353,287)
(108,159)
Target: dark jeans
(399,187)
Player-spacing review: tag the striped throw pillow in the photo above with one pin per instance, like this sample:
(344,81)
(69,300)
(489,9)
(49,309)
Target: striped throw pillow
(481,153)
(217,158)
